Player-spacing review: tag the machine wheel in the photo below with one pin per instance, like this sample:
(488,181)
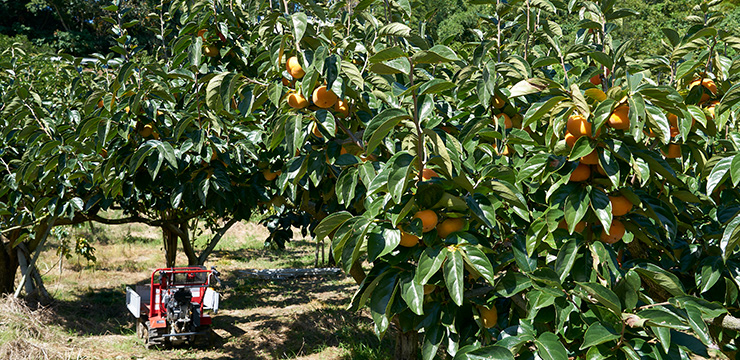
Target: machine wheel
(209,337)
(141,329)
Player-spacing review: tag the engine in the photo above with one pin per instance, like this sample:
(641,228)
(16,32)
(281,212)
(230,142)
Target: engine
(179,310)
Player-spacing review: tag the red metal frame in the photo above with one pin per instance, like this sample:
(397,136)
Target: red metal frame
(157,313)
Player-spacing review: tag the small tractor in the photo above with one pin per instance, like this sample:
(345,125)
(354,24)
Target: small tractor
(171,310)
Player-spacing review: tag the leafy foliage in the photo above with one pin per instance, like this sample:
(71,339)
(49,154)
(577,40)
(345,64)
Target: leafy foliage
(569,270)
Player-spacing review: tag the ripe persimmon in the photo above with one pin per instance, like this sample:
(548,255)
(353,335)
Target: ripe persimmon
(616,232)
(498,102)
(297,101)
(581,173)
(428,174)
(294,68)
(449,226)
(341,108)
(591,159)
(428,219)
(507,120)
(674,151)
(146,130)
(596,80)
(323,97)
(707,83)
(408,240)
(570,140)
(269,175)
(580,226)
(578,126)
(619,119)
(210,50)
(317,132)
(620,205)
(489,316)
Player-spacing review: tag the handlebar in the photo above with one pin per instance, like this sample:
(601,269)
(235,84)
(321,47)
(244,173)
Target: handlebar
(215,273)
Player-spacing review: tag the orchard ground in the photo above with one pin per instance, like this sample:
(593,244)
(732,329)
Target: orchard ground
(293,319)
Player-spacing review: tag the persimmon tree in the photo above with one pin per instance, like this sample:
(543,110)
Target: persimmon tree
(577,176)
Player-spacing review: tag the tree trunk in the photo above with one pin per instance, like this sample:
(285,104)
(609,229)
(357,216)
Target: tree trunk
(23,257)
(8,263)
(170,246)
(407,345)
(187,247)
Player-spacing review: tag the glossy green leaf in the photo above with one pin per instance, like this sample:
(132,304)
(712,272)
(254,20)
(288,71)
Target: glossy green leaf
(603,296)
(412,293)
(430,261)
(453,275)
(549,347)
(598,334)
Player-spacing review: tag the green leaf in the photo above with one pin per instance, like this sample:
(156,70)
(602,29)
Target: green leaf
(603,296)
(380,125)
(597,334)
(658,316)
(435,86)
(719,173)
(387,54)
(628,288)
(525,262)
(698,325)
(493,352)
(353,73)
(527,87)
(602,207)
(474,203)
(664,336)
(299,21)
(400,170)
(478,261)
(213,92)
(394,29)
(433,336)
(330,223)
(576,206)
(602,59)
(380,244)
(730,238)
(581,148)
(437,54)
(711,272)
(659,165)
(538,110)
(430,261)
(346,185)
(453,275)
(599,353)
(566,258)
(660,277)
(511,284)
(658,122)
(412,293)
(380,301)
(549,347)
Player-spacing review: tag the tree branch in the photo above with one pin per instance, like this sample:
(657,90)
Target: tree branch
(214,241)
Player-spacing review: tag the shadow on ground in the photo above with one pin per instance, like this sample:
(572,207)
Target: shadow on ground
(260,320)
(99,311)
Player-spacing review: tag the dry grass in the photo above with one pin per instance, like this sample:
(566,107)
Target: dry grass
(30,334)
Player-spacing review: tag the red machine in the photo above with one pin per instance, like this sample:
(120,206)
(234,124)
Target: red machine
(172,309)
